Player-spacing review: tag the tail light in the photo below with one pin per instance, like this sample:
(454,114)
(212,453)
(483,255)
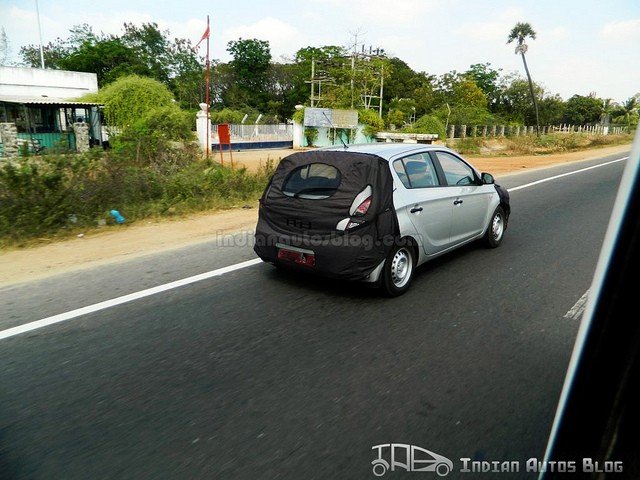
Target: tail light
(363,207)
(362,202)
(359,208)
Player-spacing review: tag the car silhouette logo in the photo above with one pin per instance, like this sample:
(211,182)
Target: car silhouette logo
(410,458)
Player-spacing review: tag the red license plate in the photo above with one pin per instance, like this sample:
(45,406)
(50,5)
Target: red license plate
(300,258)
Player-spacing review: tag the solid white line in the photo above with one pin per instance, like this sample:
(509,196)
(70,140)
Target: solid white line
(575,313)
(63,317)
(538,182)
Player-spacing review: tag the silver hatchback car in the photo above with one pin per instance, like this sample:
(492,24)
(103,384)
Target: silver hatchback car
(375,212)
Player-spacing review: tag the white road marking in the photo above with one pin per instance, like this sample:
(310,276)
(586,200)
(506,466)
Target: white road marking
(575,313)
(63,317)
(538,182)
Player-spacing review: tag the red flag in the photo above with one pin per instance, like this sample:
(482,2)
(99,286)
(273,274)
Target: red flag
(205,35)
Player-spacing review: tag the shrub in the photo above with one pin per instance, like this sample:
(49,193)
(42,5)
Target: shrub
(167,123)
(57,193)
(371,121)
(311,135)
(227,115)
(429,124)
(129,98)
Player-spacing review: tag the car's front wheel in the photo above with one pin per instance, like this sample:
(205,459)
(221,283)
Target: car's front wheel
(495,230)
(398,270)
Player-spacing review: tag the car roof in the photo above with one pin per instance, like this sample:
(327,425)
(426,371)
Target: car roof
(388,151)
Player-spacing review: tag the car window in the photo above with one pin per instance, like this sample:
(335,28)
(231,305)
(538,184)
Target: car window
(455,170)
(315,181)
(416,171)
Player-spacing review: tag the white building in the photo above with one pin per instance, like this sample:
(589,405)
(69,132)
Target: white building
(43,104)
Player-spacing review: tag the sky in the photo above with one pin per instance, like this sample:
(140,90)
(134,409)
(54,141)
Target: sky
(582,46)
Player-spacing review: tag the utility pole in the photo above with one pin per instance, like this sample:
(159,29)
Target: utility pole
(366,96)
(313,76)
(381,90)
(40,36)
(317,79)
(354,55)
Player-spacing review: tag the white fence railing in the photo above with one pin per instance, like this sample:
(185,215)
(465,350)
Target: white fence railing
(464,131)
(257,133)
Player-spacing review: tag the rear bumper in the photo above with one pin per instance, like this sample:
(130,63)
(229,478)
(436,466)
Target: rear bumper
(353,256)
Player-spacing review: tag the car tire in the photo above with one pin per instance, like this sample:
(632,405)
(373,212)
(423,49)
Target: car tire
(398,270)
(495,230)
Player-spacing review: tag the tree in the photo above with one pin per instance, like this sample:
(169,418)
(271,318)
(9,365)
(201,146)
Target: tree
(186,74)
(519,33)
(251,64)
(487,79)
(606,108)
(581,110)
(5,49)
(109,58)
(52,52)
(152,48)
(515,100)
(552,109)
(629,111)
(405,83)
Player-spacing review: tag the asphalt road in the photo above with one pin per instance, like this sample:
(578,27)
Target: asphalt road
(260,374)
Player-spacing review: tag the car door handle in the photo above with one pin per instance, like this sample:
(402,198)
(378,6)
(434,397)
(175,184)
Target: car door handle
(457,202)
(416,209)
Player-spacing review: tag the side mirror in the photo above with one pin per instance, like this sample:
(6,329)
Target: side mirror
(487,178)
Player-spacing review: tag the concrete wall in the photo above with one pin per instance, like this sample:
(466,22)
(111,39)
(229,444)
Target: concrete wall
(36,82)
(324,137)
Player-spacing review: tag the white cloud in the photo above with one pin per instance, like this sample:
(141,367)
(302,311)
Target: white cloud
(624,30)
(557,33)
(284,39)
(493,30)
(382,12)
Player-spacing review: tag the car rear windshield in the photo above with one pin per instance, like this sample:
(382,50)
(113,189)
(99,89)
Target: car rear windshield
(314,181)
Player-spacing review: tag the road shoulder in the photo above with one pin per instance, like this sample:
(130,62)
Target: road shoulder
(122,243)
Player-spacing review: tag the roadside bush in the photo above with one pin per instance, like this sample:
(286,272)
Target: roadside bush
(429,124)
(129,98)
(311,135)
(226,115)
(371,121)
(54,194)
(467,146)
(167,123)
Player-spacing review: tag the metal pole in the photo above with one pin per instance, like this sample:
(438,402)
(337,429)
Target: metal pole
(381,89)
(206,94)
(40,36)
(313,75)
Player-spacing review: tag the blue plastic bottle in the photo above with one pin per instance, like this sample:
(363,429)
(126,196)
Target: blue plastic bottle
(117,216)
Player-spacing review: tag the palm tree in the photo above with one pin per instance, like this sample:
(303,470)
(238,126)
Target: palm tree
(606,107)
(629,108)
(519,33)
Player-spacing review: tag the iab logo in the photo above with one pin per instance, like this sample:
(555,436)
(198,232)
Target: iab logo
(416,460)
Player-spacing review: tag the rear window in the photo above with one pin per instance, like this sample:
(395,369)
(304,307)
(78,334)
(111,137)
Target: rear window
(313,181)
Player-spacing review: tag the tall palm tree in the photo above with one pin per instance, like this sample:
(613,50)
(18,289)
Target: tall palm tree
(519,33)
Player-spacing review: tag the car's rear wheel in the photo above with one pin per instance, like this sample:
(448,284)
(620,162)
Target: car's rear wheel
(495,231)
(398,270)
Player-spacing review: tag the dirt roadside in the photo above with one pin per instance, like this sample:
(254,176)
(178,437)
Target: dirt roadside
(114,244)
